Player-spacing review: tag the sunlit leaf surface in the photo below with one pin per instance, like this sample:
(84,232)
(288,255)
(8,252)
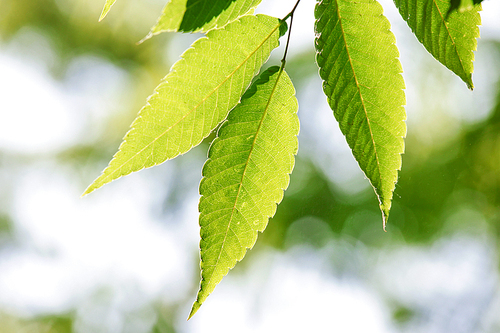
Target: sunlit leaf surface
(244,178)
(201,15)
(359,65)
(107,7)
(451,39)
(196,95)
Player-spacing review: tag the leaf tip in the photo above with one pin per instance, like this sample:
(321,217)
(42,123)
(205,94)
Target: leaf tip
(194,309)
(105,10)
(148,36)
(103,14)
(89,190)
(97,183)
(385,216)
(470,85)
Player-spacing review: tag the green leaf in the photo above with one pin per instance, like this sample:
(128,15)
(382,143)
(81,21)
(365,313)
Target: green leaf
(196,95)
(359,64)
(200,15)
(450,39)
(244,178)
(107,7)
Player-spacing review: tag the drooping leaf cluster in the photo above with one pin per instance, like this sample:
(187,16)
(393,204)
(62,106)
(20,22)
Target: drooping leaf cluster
(250,160)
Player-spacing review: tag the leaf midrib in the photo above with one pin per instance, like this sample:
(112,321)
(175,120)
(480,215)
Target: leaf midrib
(450,36)
(195,107)
(359,91)
(245,169)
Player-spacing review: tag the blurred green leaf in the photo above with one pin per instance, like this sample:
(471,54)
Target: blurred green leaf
(46,324)
(73,32)
(5,223)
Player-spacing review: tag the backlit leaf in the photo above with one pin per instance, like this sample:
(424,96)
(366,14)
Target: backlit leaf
(244,178)
(107,7)
(451,39)
(359,64)
(196,95)
(200,15)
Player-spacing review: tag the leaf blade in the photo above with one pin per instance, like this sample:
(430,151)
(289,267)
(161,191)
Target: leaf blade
(449,36)
(105,10)
(195,96)
(362,80)
(244,178)
(200,16)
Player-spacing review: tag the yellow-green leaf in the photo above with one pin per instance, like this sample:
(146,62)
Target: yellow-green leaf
(196,95)
(107,7)
(244,178)
(451,39)
(362,80)
(200,15)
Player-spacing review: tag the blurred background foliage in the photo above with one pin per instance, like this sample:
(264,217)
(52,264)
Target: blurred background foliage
(435,270)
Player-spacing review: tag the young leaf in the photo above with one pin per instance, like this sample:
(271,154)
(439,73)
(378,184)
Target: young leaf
(196,95)
(359,64)
(451,39)
(200,15)
(107,7)
(244,178)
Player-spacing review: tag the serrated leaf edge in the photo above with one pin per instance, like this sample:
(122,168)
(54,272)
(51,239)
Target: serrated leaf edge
(152,33)
(196,305)
(91,187)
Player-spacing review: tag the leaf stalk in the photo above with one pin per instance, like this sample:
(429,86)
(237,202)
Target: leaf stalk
(289,15)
